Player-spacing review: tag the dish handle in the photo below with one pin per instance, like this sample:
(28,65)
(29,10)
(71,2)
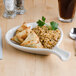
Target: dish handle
(63,55)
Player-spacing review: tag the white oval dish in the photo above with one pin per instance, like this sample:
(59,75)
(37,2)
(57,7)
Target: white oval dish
(63,55)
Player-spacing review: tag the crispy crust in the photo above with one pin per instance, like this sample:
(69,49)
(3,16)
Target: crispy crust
(21,33)
(15,39)
(23,27)
(32,41)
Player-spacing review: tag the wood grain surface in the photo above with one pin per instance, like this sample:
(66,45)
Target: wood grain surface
(18,63)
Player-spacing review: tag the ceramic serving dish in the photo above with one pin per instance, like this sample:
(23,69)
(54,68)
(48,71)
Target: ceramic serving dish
(63,55)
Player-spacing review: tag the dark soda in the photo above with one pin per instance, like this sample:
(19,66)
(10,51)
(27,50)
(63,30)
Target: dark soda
(67,8)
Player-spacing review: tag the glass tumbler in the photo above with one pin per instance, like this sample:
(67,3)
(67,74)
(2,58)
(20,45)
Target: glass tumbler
(66,10)
(19,6)
(10,11)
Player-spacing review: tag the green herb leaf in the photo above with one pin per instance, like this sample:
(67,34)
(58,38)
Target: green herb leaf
(43,18)
(54,25)
(40,23)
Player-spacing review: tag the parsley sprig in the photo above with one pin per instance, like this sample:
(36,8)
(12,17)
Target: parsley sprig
(53,24)
(41,22)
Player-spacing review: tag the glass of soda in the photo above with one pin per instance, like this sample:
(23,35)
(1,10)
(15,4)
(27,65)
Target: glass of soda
(66,10)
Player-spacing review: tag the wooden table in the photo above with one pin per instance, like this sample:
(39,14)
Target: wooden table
(18,63)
